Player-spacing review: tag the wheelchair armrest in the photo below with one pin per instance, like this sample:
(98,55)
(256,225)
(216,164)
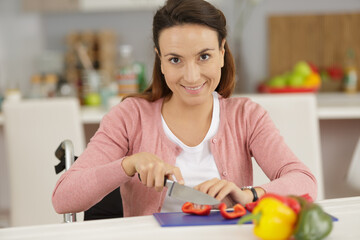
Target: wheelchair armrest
(65,154)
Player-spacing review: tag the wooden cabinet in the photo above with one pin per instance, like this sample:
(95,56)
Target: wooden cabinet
(323,39)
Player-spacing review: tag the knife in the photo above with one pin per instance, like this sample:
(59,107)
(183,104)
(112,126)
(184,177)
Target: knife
(187,194)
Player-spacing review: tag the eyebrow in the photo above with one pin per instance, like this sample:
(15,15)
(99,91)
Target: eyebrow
(202,51)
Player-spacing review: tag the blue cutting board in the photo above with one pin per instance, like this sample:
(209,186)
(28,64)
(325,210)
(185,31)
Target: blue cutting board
(177,219)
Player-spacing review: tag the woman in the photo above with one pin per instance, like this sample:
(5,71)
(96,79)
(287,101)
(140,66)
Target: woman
(185,127)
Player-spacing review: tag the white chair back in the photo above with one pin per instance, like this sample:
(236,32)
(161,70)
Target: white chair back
(33,131)
(295,115)
(353,175)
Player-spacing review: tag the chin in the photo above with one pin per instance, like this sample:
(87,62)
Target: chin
(197,100)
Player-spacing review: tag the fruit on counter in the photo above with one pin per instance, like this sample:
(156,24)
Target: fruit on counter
(313,67)
(303,75)
(313,80)
(296,80)
(335,72)
(302,68)
(280,217)
(92,99)
(278,82)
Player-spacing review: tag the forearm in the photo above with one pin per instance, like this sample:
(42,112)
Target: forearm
(293,183)
(288,175)
(79,189)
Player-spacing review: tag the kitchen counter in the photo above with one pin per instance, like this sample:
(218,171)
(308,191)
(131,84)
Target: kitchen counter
(346,210)
(330,106)
(338,106)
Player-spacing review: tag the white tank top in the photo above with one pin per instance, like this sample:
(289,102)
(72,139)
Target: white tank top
(197,164)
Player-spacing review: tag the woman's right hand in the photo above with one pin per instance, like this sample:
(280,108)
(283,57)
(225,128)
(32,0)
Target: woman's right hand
(152,170)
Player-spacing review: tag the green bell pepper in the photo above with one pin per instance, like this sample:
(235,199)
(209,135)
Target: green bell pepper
(313,223)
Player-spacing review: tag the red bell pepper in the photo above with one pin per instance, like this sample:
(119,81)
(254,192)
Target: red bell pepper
(250,206)
(290,202)
(239,211)
(189,208)
(307,197)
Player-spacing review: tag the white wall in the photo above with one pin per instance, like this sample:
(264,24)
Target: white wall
(21,40)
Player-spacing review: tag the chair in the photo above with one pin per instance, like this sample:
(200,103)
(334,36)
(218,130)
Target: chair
(33,129)
(295,115)
(353,174)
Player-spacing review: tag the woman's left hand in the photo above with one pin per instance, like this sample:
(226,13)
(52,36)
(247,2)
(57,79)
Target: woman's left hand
(225,191)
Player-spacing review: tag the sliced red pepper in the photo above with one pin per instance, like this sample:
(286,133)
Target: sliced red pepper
(250,206)
(239,211)
(189,208)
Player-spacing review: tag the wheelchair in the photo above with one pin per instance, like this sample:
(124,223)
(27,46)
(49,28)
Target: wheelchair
(109,207)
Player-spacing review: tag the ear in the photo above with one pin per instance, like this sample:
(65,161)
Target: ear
(222,52)
(157,52)
(159,56)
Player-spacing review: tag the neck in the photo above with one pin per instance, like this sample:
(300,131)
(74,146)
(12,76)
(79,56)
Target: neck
(189,123)
(182,111)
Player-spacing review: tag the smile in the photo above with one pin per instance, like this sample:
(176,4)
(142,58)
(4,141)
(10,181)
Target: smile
(194,88)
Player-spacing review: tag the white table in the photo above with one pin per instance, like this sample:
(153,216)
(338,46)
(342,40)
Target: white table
(346,209)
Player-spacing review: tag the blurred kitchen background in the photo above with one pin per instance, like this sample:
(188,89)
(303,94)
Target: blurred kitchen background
(96,49)
(41,43)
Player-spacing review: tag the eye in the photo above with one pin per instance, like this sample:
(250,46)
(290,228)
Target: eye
(174,60)
(204,56)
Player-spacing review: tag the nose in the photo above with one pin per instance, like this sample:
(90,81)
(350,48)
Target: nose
(192,72)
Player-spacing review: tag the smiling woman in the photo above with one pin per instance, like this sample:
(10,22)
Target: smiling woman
(184,127)
(191,63)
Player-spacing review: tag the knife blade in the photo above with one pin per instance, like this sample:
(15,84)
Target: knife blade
(188,194)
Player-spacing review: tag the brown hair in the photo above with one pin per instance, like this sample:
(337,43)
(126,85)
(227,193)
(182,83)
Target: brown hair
(178,12)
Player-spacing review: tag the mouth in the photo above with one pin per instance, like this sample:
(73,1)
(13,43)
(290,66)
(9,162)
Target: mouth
(194,88)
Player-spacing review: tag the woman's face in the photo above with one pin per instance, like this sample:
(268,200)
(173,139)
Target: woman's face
(191,62)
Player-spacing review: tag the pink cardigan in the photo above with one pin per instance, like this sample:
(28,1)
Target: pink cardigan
(134,126)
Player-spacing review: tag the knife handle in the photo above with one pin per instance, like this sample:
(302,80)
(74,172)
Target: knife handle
(165,178)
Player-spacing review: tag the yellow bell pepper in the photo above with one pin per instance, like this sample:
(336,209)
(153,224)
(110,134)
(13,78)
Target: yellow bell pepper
(273,220)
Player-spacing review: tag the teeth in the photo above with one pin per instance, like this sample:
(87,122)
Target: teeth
(195,88)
